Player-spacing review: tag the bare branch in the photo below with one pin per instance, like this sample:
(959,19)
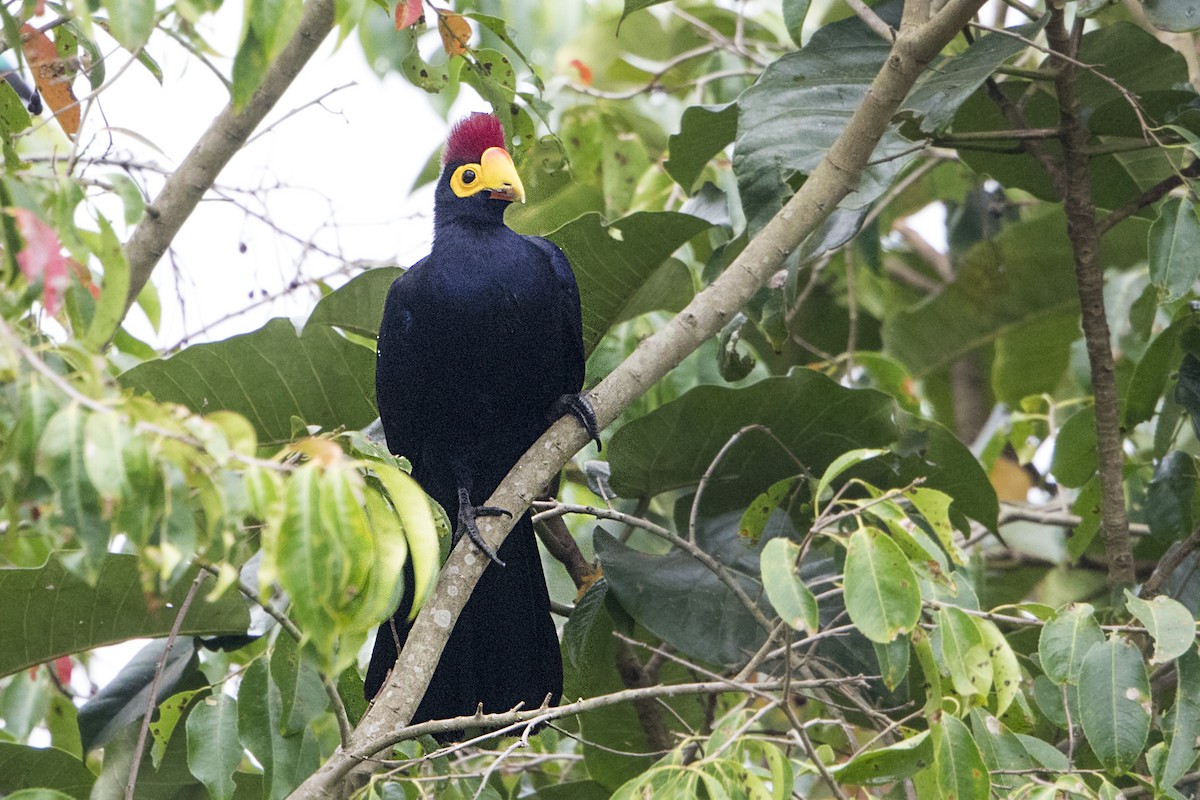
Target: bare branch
(224,137)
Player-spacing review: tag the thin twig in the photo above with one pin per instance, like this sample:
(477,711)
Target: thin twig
(151,700)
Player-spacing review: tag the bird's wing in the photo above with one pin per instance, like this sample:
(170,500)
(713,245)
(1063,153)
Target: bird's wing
(572,314)
(395,393)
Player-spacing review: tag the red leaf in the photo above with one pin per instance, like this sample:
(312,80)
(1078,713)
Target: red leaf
(63,665)
(41,258)
(585,72)
(407,13)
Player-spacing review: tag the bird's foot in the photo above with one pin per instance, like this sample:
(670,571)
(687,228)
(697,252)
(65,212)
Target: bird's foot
(467,514)
(579,407)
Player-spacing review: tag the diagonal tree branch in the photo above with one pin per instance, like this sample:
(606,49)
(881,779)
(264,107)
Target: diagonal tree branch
(921,38)
(227,134)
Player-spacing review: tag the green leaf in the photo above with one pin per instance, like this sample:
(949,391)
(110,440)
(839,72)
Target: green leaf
(810,414)
(214,751)
(170,711)
(415,512)
(961,772)
(130,22)
(357,306)
(793,601)
(704,131)
(947,84)
(1033,358)
(105,439)
(249,67)
(110,308)
(318,376)
(1074,460)
(1001,750)
(1177,16)
(1022,276)
(893,659)
(1169,623)
(755,517)
(24,767)
(301,693)
(1174,239)
(1150,376)
(613,262)
(1181,725)
(52,612)
(286,759)
(78,507)
(1066,640)
(1114,703)
(682,601)
(883,765)
(964,652)
(637,5)
(798,107)
(934,507)
(1006,669)
(845,461)
(881,590)
(794,12)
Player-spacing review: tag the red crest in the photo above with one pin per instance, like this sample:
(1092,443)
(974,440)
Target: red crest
(470,136)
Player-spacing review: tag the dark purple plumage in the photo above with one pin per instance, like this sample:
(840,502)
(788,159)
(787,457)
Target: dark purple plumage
(479,340)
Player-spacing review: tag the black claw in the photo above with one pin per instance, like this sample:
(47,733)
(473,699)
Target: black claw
(467,514)
(578,406)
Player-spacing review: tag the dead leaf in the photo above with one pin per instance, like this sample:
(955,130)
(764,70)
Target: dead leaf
(1011,482)
(53,77)
(585,72)
(407,13)
(455,31)
(41,258)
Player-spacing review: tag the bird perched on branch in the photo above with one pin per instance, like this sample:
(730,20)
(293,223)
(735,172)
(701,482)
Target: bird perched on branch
(480,348)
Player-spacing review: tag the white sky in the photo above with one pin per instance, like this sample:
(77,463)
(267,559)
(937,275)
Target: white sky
(336,174)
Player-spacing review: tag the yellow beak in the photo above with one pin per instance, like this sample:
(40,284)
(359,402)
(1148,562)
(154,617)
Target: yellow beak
(500,175)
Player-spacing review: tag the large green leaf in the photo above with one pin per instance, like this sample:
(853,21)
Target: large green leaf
(130,22)
(357,306)
(792,115)
(22,767)
(1023,276)
(814,417)
(54,613)
(948,84)
(614,261)
(269,376)
(793,601)
(1176,15)
(1114,703)
(682,601)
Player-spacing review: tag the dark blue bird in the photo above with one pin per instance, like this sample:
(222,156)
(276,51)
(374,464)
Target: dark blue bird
(480,348)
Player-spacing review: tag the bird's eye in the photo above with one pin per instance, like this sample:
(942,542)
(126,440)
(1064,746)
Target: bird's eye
(468,177)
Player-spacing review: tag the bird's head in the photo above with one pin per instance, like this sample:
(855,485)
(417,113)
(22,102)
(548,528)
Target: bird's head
(478,177)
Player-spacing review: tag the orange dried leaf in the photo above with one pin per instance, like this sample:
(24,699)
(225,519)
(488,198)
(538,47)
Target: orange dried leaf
(455,31)
(407,13)
(585,72)
(53,77)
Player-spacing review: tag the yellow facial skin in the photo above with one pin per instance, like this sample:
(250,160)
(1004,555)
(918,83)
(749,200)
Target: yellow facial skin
(495,173)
